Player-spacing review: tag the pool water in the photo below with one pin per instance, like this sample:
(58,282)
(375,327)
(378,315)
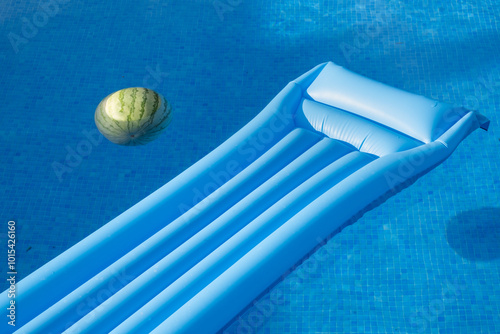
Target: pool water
(425,261)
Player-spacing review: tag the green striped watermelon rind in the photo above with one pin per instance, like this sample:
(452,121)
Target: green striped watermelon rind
(126,119)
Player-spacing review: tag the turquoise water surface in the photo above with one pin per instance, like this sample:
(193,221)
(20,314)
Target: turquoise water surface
(425,261)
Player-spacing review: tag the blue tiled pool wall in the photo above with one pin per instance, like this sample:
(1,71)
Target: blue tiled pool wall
(427,260)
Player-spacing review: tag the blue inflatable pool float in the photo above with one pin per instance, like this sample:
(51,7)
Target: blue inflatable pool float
(192,255)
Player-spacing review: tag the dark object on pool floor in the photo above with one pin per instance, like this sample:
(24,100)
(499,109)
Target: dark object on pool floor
(475,234)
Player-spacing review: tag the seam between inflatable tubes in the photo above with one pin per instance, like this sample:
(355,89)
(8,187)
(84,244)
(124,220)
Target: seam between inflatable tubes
(354,218)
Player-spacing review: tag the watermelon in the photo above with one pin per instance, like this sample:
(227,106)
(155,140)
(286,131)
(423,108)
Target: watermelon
(133,116)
